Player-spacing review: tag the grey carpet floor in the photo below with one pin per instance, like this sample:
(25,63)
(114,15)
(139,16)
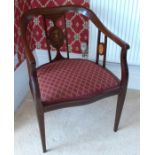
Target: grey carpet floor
(83,130)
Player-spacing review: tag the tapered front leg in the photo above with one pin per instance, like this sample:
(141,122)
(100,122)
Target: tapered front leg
(41,122)
(120,103)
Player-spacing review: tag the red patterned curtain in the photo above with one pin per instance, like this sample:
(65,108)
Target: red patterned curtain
(77,26)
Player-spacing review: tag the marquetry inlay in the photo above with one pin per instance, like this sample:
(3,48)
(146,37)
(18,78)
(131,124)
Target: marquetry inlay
(101,48)
(56,37)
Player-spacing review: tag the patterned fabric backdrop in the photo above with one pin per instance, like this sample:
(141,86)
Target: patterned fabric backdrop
(77,26)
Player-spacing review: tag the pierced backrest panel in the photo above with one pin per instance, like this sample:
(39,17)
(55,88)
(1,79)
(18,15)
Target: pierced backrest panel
(55,35)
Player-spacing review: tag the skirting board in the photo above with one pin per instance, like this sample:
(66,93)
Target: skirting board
(21,86)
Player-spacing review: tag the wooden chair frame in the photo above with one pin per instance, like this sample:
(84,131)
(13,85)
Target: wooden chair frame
(54,14)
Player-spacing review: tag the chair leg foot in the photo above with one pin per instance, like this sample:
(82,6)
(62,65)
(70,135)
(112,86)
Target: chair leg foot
(42,130)
(120,103)
(44,150)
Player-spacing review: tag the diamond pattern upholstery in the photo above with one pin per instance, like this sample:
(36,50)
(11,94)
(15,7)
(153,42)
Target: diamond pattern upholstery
(73,79)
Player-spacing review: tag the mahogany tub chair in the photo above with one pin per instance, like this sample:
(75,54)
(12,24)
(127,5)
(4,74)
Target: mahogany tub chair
(65,82)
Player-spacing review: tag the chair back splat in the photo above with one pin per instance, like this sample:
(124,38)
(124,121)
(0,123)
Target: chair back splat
(64,82)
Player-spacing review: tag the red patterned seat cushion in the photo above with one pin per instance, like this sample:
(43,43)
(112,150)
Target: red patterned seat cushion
(70,79)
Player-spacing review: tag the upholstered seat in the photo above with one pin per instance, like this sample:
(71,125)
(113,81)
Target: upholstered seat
(73,79)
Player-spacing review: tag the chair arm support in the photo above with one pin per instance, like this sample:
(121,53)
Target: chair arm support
(35,91)
(30,58)
(124,68)
(31,63)
(120,42)
(123,57)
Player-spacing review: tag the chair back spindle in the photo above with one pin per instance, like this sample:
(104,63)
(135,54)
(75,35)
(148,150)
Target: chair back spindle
(98,41)
(101,48)
(48,46)
(105,51)
(66,36)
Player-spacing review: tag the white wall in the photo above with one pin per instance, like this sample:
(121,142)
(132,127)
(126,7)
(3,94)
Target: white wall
(21,86)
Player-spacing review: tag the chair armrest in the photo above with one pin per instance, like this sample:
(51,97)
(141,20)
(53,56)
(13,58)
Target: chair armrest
(106,31)
(123,57)
(115,38)
(125,46)
(30,57)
